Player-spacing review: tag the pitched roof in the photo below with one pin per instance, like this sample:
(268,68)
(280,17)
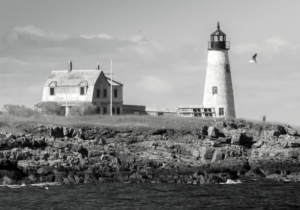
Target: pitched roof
(76,78)
(218,32)
(114,79)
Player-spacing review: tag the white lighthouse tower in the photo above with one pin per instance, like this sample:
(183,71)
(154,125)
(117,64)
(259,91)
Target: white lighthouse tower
(218,91)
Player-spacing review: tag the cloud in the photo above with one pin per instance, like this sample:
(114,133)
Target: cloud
(155,85)
(31,33)
(273,45)
(147,67)
(96,36)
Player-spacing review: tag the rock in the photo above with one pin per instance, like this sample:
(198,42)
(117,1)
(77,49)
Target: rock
(99,140)
(44,170)
(213,132)
(32,177)
(292,131)
(273,176)
(206,154)
(60,175)
(56,132)
(203,130)
(196,153)
(258,144)
(217,156)
(201,179)
(8,181)
(236,137)
(95,153)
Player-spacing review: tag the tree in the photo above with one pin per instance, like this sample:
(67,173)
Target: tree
(83,109)
(49,107)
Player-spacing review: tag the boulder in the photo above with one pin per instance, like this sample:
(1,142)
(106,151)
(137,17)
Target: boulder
(207,154)
(236,137)
(292,131)
(258,144)
(217,156)
(95,153)
(8,180)
(196,153)
(56,132)
(213,132)
(100,140)
(32,177)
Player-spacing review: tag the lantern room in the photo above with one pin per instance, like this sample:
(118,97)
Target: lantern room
(218,40)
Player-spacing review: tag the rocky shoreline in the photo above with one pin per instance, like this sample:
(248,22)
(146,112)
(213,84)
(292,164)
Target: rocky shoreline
(211,154)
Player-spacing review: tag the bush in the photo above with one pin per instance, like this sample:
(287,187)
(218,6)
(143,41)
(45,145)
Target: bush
(18,110)
(49,107)
(83,109)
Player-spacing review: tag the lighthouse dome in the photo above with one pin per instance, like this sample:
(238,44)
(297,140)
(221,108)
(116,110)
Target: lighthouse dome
(218,40)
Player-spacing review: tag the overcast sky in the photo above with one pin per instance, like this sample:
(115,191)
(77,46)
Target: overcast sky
(163,65)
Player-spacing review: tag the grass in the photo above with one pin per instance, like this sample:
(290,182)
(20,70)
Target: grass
(10,123)
(127,121)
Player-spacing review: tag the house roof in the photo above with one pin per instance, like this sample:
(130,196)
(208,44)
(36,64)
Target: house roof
(76,78)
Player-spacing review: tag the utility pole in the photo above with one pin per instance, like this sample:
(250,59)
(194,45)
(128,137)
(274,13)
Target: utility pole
(67,110)
(111,89)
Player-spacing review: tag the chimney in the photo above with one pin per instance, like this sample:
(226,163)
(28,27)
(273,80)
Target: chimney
(98,66)
(70,66)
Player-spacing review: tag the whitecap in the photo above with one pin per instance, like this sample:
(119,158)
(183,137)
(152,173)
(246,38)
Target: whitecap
(12,186)
(230,181)
(45,184)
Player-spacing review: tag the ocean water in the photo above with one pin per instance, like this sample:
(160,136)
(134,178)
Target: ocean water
(249,195)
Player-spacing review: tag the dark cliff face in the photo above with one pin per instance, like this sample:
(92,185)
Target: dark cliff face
(211,153)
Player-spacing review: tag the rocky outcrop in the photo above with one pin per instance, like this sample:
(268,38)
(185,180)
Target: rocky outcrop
(210,154)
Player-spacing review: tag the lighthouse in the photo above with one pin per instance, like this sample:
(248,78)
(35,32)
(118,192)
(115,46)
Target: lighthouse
(218,91)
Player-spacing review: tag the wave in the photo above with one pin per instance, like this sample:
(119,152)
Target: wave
(230,181)
(44,184)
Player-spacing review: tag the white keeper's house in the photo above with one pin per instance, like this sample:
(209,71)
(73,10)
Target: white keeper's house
(73,87)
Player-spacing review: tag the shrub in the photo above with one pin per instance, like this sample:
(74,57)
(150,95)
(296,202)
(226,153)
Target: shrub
(49,107)
(83,109)
(18,110)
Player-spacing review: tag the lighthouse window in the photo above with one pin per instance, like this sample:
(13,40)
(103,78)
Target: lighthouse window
(221,111)
(215,90)
(227,68)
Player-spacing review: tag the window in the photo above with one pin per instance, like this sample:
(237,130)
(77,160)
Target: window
(51,91)
(104,110)
(98,93)
(221,111)
(82,92)
(118,110)
(113,110)
(215,90)
(104,93)
(227,68)
(115,93)
(98,110)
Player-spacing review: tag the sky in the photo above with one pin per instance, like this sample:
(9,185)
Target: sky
(158,48)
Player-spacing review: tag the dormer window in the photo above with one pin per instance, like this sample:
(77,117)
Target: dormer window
(82,90)
(52,91)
